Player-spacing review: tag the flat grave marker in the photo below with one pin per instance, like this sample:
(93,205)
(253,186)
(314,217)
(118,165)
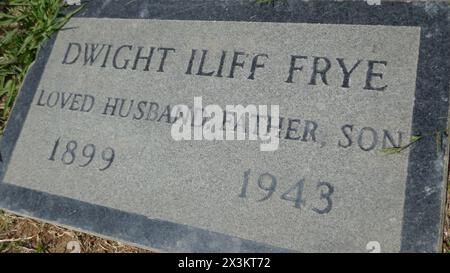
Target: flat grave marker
(89,144)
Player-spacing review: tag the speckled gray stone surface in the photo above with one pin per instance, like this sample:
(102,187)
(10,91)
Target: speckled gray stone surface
(354,195)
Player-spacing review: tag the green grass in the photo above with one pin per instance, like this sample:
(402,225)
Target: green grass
(24,25)
(5,222)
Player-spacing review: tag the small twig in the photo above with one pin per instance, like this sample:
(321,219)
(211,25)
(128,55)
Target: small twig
(396,150)
(15,240)
(415,138)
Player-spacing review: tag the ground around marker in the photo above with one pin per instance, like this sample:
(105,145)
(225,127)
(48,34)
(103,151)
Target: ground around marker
(40,247)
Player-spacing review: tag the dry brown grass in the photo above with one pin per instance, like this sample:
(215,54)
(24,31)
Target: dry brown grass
(446,244)
(23,235)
